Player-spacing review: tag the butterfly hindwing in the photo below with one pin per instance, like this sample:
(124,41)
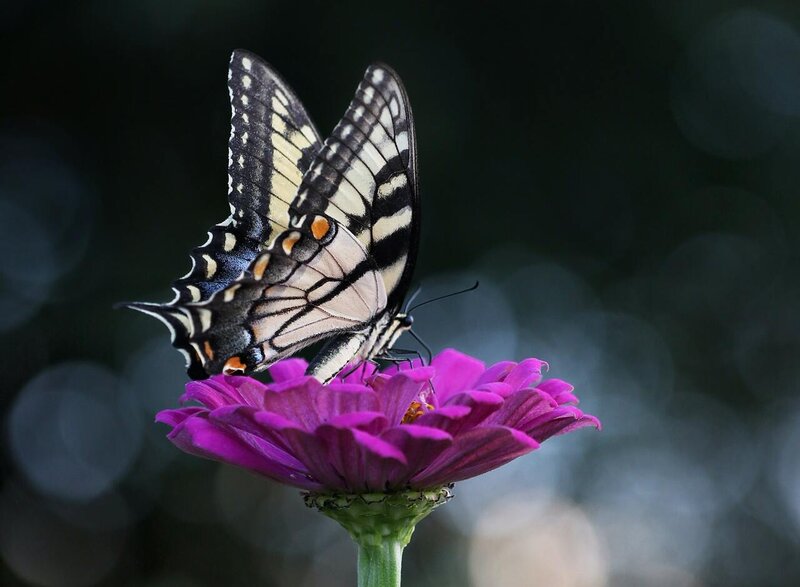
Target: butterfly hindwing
(315,280)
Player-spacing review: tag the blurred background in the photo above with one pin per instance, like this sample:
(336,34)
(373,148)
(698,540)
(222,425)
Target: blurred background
(621,176)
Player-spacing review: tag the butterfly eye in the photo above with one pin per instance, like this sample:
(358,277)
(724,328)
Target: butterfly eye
(407,321)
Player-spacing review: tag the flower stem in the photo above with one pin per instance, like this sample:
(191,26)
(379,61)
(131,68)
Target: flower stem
(381,524)
(379,565)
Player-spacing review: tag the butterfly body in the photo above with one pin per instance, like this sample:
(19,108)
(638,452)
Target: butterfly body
(321,240)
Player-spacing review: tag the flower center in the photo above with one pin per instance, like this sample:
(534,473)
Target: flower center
(414,411)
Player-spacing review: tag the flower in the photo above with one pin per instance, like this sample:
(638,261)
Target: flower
(408,427)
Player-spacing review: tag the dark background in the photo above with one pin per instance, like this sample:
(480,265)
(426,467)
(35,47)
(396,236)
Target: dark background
(621,176)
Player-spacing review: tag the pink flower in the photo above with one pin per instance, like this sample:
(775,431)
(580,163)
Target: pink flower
(407,427)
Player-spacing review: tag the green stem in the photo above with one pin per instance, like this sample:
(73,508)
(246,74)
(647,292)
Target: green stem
(379,565)
(381,524)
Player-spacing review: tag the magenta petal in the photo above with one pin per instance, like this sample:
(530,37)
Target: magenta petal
(369,422)
(358,375)
(454,372)
(526,373)
(175,417)
(296,401)
(250,420)
(213,392)
(498,388)
(362,461)
(202,438)
(419,444)
(559,421)
(287,369)
(559,390)
(397,393)
(244,390)
(496,372)
(475,452)
(521,407)
(447,418)
(482,405)
(305,447)
(344,398)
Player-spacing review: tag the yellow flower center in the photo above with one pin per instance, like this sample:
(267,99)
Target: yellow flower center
(414,411)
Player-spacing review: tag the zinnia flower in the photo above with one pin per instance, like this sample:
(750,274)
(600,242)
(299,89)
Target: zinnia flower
(377,451)
(412,427)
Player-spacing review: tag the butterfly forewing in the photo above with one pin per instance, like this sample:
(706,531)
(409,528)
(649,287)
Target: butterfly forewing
(271,145)
(365,178)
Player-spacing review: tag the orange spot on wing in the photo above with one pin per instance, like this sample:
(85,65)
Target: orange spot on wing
(289,242)
(320,227)
(233,366)
(260,266)
(208,350)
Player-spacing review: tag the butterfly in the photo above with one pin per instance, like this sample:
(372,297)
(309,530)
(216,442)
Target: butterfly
(321,239)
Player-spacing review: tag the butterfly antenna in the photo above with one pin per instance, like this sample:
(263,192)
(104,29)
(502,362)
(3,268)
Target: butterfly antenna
(425,346)
(412,298)
(445,296)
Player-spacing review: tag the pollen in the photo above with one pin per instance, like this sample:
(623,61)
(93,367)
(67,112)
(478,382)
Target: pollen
(234,366)
(414,411)
(320,227)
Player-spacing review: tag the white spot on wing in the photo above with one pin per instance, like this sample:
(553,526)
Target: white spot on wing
(230,242)
(247,63)
(211,266)
(194,292)
(389,187)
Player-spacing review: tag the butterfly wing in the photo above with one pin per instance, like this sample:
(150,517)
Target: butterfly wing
(271,145)
(365,178)
(313,281)
(360,192)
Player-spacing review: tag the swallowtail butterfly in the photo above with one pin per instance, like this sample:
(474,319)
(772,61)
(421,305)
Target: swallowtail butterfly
(321,239)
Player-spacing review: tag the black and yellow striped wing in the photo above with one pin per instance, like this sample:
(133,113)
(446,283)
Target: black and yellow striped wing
(271,145)
(365,178)
(323,254)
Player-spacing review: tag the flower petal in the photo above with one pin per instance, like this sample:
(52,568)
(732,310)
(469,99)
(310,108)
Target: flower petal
(454,372)
(360,374)
(475,452)
(369,422)
(287,369)
(305,446)
(175,417)
(420,445)
(526,373)
(212,392)
(203,438)
(559,421)
(361,460)
(496,372)
(345,398)
(245,390)
(482,405)
(559,390)
(521,407)
(295,401)
(399,391)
